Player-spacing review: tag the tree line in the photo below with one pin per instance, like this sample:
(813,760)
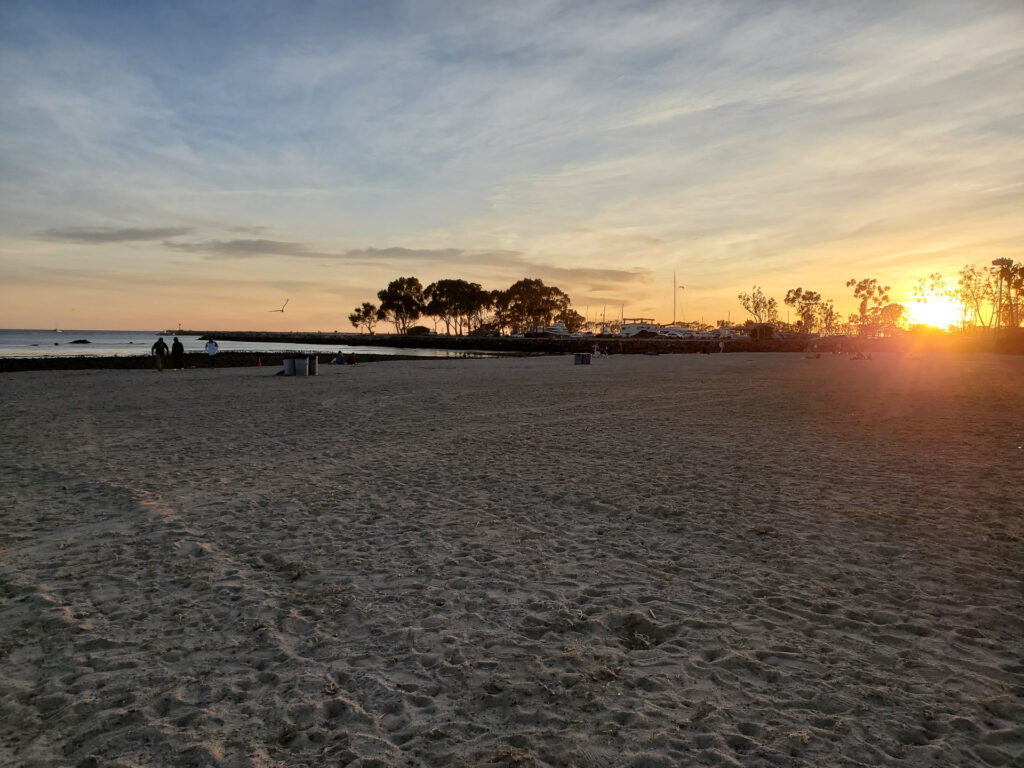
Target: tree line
(464,307)
(988,297)
(876,315)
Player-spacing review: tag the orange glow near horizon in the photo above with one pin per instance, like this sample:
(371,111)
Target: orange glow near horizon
(936,311)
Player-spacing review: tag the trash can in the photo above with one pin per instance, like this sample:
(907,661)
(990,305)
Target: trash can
(289,366)
(582,358)
(314,365)
(301,365)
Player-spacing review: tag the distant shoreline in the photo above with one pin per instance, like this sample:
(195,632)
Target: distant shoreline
(460,347)
(1011,342)
(535,345)
(228,359)
(1007,342)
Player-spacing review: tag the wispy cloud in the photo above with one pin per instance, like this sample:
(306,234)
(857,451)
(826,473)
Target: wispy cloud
(248,249)
(399,255)
(101,235)
(403,258)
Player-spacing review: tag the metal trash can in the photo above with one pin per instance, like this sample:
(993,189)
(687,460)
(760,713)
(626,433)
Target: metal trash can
(314,365)
(301,366)
(289,366)
(582,358)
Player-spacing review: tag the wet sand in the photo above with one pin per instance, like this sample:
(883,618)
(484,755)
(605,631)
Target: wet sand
(722,560)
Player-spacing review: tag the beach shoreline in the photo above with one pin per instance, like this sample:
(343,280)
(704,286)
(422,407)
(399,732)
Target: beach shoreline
(192,360)
(739,559)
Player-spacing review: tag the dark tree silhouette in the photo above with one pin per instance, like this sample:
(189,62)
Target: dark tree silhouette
(828,317)
(807,305)
(365,316)
(529,304)
(762,308)
(458,303)
(401,303)
(876,315)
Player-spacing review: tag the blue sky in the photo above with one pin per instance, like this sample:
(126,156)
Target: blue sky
(201,162)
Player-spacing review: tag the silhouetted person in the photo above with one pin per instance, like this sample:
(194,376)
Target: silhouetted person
(159,349)
(177,354)
(211,350)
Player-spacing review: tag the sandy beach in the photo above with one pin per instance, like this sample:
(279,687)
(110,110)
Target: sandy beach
(707,560)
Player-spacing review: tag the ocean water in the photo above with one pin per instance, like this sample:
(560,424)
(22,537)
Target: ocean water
(41,343)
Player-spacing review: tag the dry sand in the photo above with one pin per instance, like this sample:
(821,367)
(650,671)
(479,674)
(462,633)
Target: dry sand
(756,560)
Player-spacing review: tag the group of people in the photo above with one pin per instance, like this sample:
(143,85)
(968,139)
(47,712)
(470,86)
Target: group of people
(177,352)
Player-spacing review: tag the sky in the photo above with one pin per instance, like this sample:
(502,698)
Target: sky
(199,163)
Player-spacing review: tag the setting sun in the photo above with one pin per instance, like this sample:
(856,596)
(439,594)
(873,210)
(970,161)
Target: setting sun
(938,311)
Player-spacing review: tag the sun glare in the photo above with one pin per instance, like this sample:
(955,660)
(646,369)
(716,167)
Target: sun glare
(938,311)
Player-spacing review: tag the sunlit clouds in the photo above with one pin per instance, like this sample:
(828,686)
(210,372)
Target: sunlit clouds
(216,157)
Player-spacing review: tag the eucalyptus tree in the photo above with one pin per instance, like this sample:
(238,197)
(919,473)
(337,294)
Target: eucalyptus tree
(573,321)
(365,316)
(1015,282)
(473,303)
(440,298)
(528,304)
(976,292)
(401,303)
(828,318)
(876,314)
(761,307)
(1011,292)
(807,305)
(458,303)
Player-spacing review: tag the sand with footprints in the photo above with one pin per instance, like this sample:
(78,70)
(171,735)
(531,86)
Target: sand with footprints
(725,560)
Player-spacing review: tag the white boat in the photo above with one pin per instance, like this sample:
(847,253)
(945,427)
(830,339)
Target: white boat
(631,326)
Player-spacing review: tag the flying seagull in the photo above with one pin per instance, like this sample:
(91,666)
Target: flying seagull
(282,306)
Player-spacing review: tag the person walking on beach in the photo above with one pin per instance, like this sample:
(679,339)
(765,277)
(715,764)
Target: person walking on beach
(159,349)
(212,349)
(177,354)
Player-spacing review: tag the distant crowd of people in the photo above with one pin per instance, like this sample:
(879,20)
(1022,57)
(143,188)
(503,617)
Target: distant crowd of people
(177,353)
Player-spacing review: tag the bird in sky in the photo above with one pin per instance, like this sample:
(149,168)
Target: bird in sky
(282,306)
